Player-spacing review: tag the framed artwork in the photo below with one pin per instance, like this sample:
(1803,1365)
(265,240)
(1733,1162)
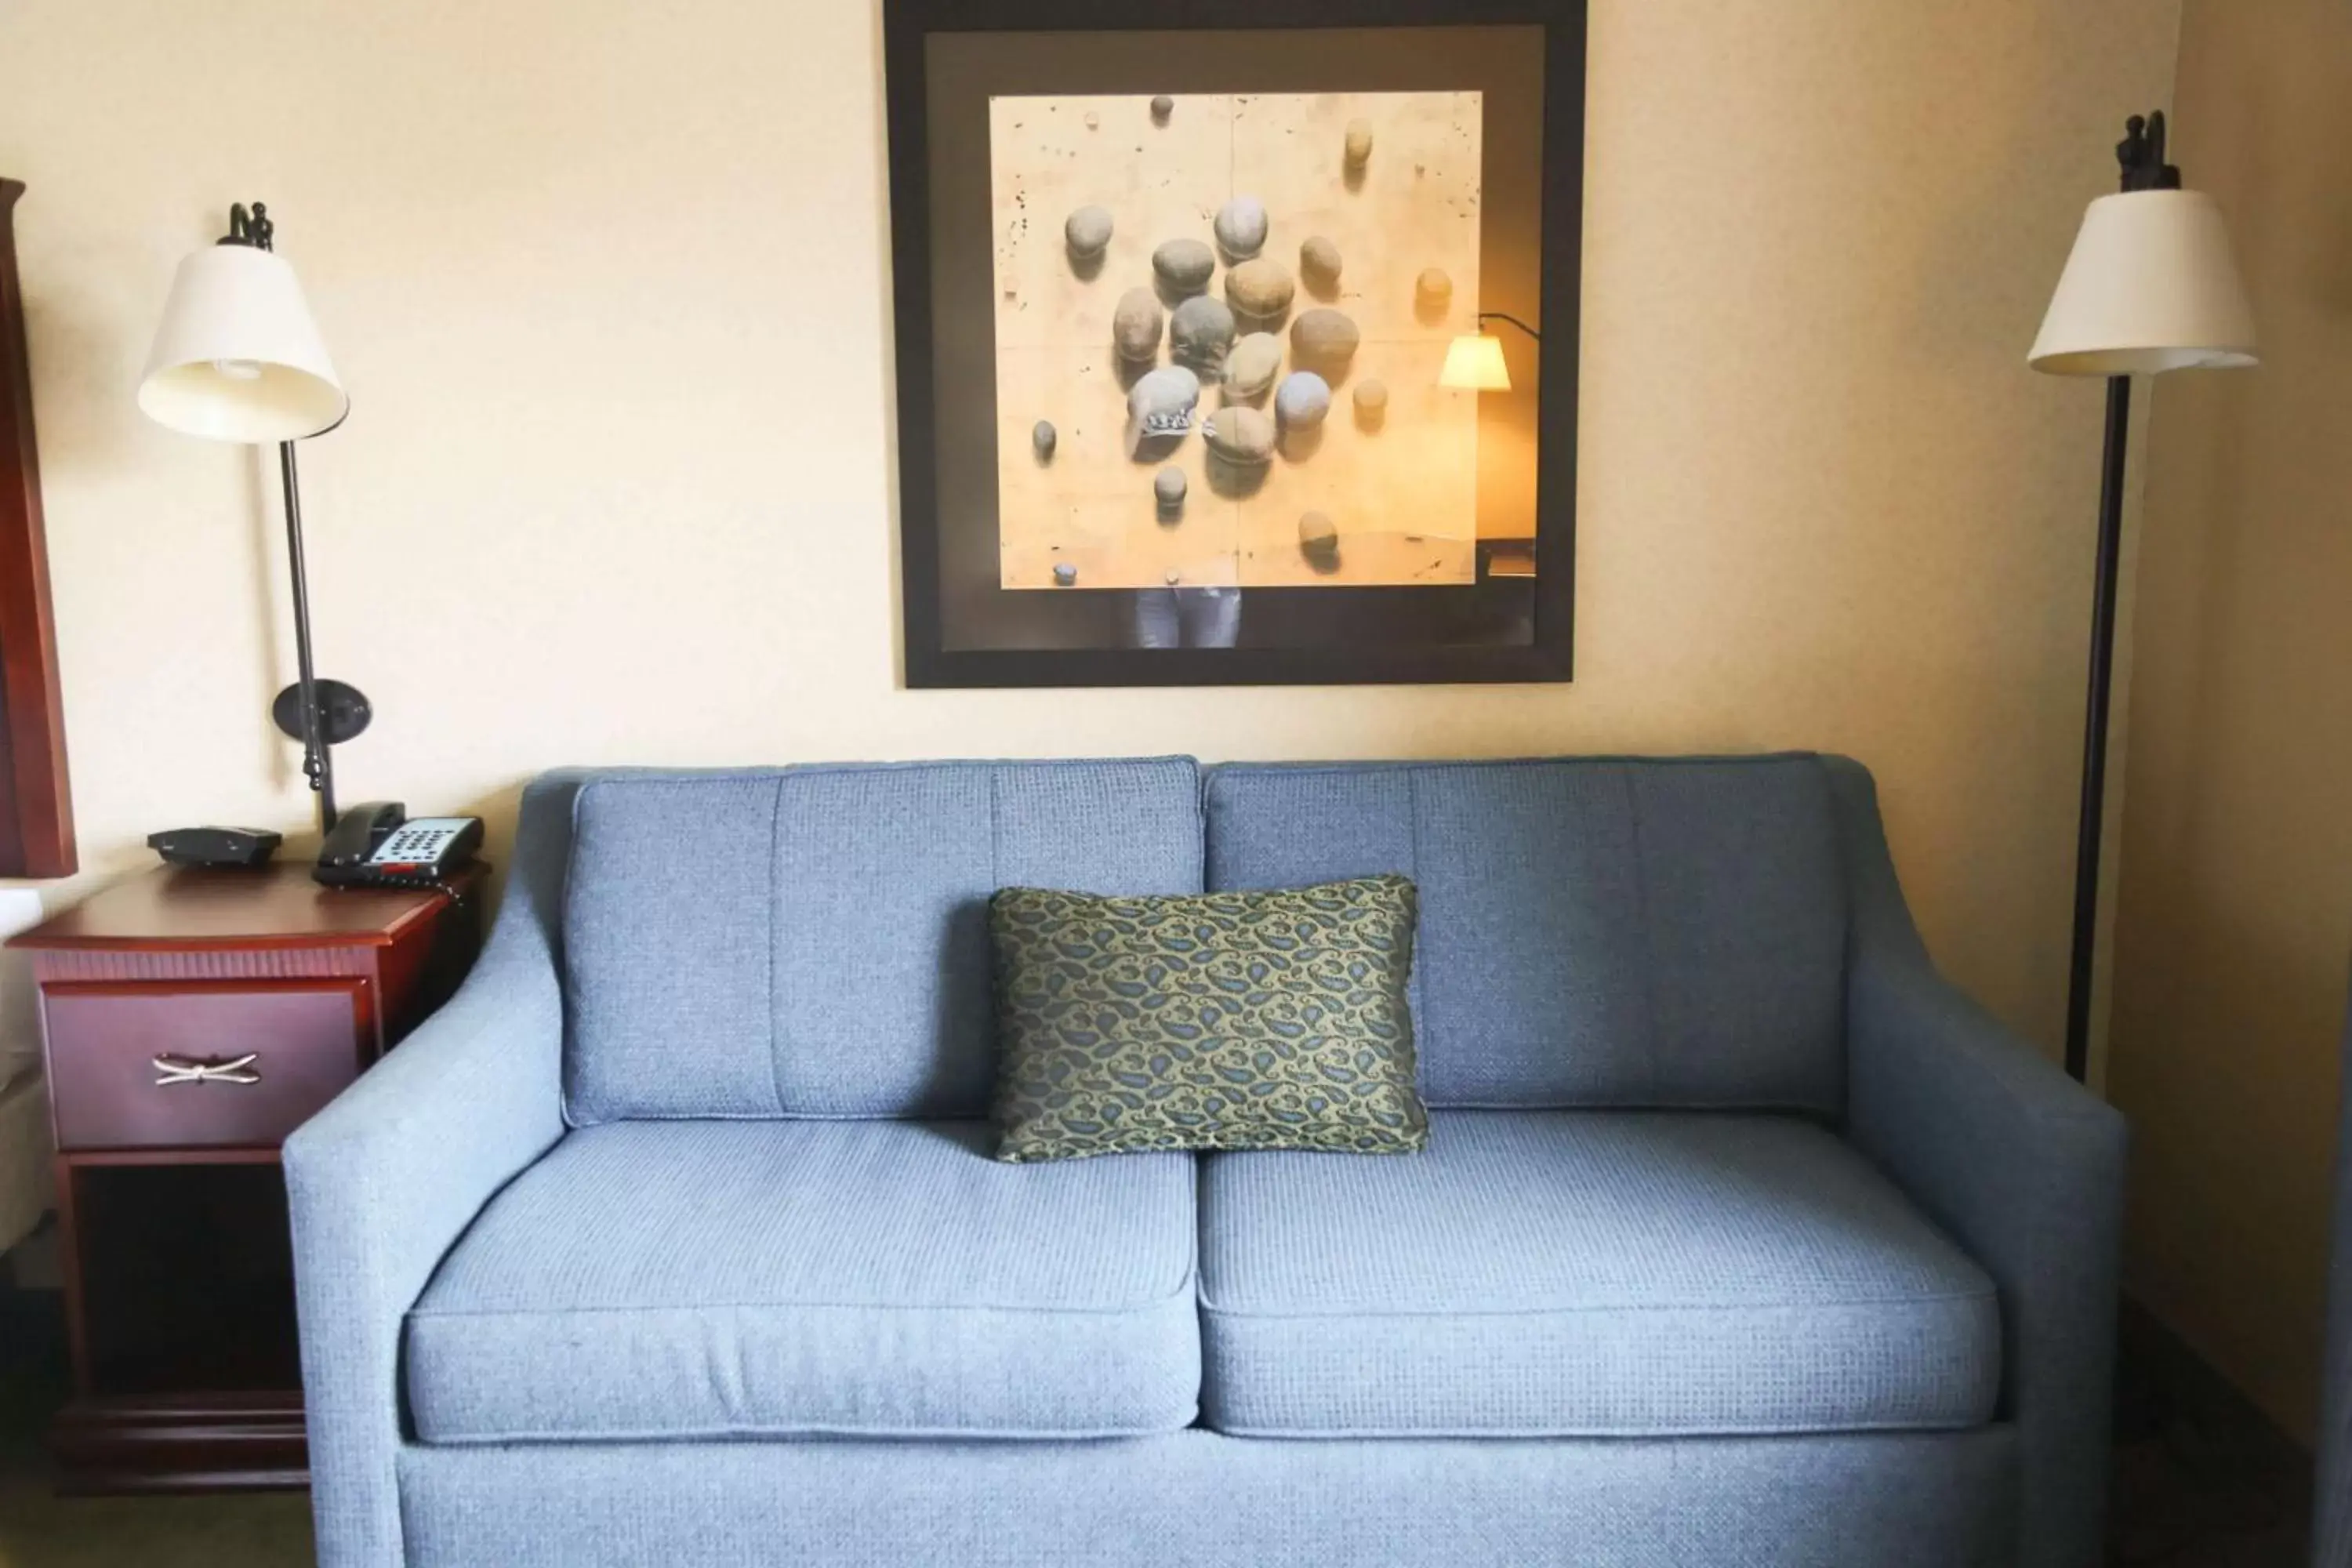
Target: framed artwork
(1236,341)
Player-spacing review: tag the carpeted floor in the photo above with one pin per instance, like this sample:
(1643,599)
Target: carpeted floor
(41,1529)
(2200,1482)
(2202,1479)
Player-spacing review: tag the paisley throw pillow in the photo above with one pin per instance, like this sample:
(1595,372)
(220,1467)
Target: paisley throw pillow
(1246,1020)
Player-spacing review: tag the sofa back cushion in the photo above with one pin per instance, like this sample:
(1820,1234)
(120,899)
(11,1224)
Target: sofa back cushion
(813,941)
(1663,933)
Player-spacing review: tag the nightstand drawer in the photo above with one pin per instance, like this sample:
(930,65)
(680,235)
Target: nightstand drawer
(195,1066)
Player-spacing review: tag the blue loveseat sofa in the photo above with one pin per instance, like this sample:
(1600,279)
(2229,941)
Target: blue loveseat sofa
(1741,1237)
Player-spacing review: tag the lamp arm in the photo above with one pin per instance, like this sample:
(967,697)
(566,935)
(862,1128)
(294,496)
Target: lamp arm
(1485,315)
(317,758)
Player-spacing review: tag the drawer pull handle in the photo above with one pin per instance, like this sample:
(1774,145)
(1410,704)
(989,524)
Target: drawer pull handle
(181,1069)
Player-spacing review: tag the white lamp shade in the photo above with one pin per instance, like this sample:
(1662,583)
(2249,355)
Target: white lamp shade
(239,357)
(1476,362)
(2151,286)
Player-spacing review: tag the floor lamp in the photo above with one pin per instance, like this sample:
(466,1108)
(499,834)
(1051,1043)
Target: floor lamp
(238,358)
(2151,286)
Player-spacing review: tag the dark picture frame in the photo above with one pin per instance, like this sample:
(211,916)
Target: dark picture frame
(1544,602)
(36,825)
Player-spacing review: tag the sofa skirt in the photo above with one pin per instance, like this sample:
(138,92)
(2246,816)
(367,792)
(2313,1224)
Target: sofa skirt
(1198,1498)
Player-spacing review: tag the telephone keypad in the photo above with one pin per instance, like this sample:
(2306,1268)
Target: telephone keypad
(418,842)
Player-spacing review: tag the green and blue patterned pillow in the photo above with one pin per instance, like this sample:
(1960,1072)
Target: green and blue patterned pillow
(1245,1020)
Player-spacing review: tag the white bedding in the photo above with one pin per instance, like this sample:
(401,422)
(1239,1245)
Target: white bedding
(24,1155)
(24,1105)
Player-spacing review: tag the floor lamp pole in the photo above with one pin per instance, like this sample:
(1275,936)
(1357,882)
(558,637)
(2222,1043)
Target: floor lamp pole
(2094,733)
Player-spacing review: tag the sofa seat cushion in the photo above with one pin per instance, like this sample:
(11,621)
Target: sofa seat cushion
(1590,1274)
(747,1278)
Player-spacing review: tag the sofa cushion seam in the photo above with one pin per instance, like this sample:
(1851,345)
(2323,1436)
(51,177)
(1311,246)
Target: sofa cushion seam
(1653,1029)
(1343,1314)
(1421,1015)
(1186,1289)
(775,937)
(1599,1432)
(720,1433)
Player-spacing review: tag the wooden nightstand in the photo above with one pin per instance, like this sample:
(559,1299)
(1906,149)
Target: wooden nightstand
(192,1019)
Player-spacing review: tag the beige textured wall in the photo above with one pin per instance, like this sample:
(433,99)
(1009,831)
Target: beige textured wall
(607,280)
(2234,924)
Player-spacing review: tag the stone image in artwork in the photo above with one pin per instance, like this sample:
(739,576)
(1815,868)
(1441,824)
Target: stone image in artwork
(1174,321)
(1087,231)
(1251,367)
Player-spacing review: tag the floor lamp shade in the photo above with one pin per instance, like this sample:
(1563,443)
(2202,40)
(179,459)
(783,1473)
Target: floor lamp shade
(238,357)
(2151,286)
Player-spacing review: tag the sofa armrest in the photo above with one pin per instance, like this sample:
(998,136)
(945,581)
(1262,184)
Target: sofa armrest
(2020,1164)
(386,1178)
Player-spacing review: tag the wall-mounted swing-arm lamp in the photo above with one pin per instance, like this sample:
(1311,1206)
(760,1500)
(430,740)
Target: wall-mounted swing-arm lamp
(238,358)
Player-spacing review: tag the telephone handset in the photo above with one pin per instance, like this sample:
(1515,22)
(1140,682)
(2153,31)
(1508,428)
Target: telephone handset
(379,846)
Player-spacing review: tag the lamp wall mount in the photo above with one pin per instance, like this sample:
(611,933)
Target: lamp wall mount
(344,711)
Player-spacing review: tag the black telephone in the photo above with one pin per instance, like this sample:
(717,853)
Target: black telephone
(379,846)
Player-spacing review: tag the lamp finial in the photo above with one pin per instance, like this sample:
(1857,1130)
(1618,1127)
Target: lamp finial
(2141,155)
(253,229)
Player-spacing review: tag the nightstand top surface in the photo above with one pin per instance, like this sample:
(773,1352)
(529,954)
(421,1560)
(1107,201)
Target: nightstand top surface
(203,906)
